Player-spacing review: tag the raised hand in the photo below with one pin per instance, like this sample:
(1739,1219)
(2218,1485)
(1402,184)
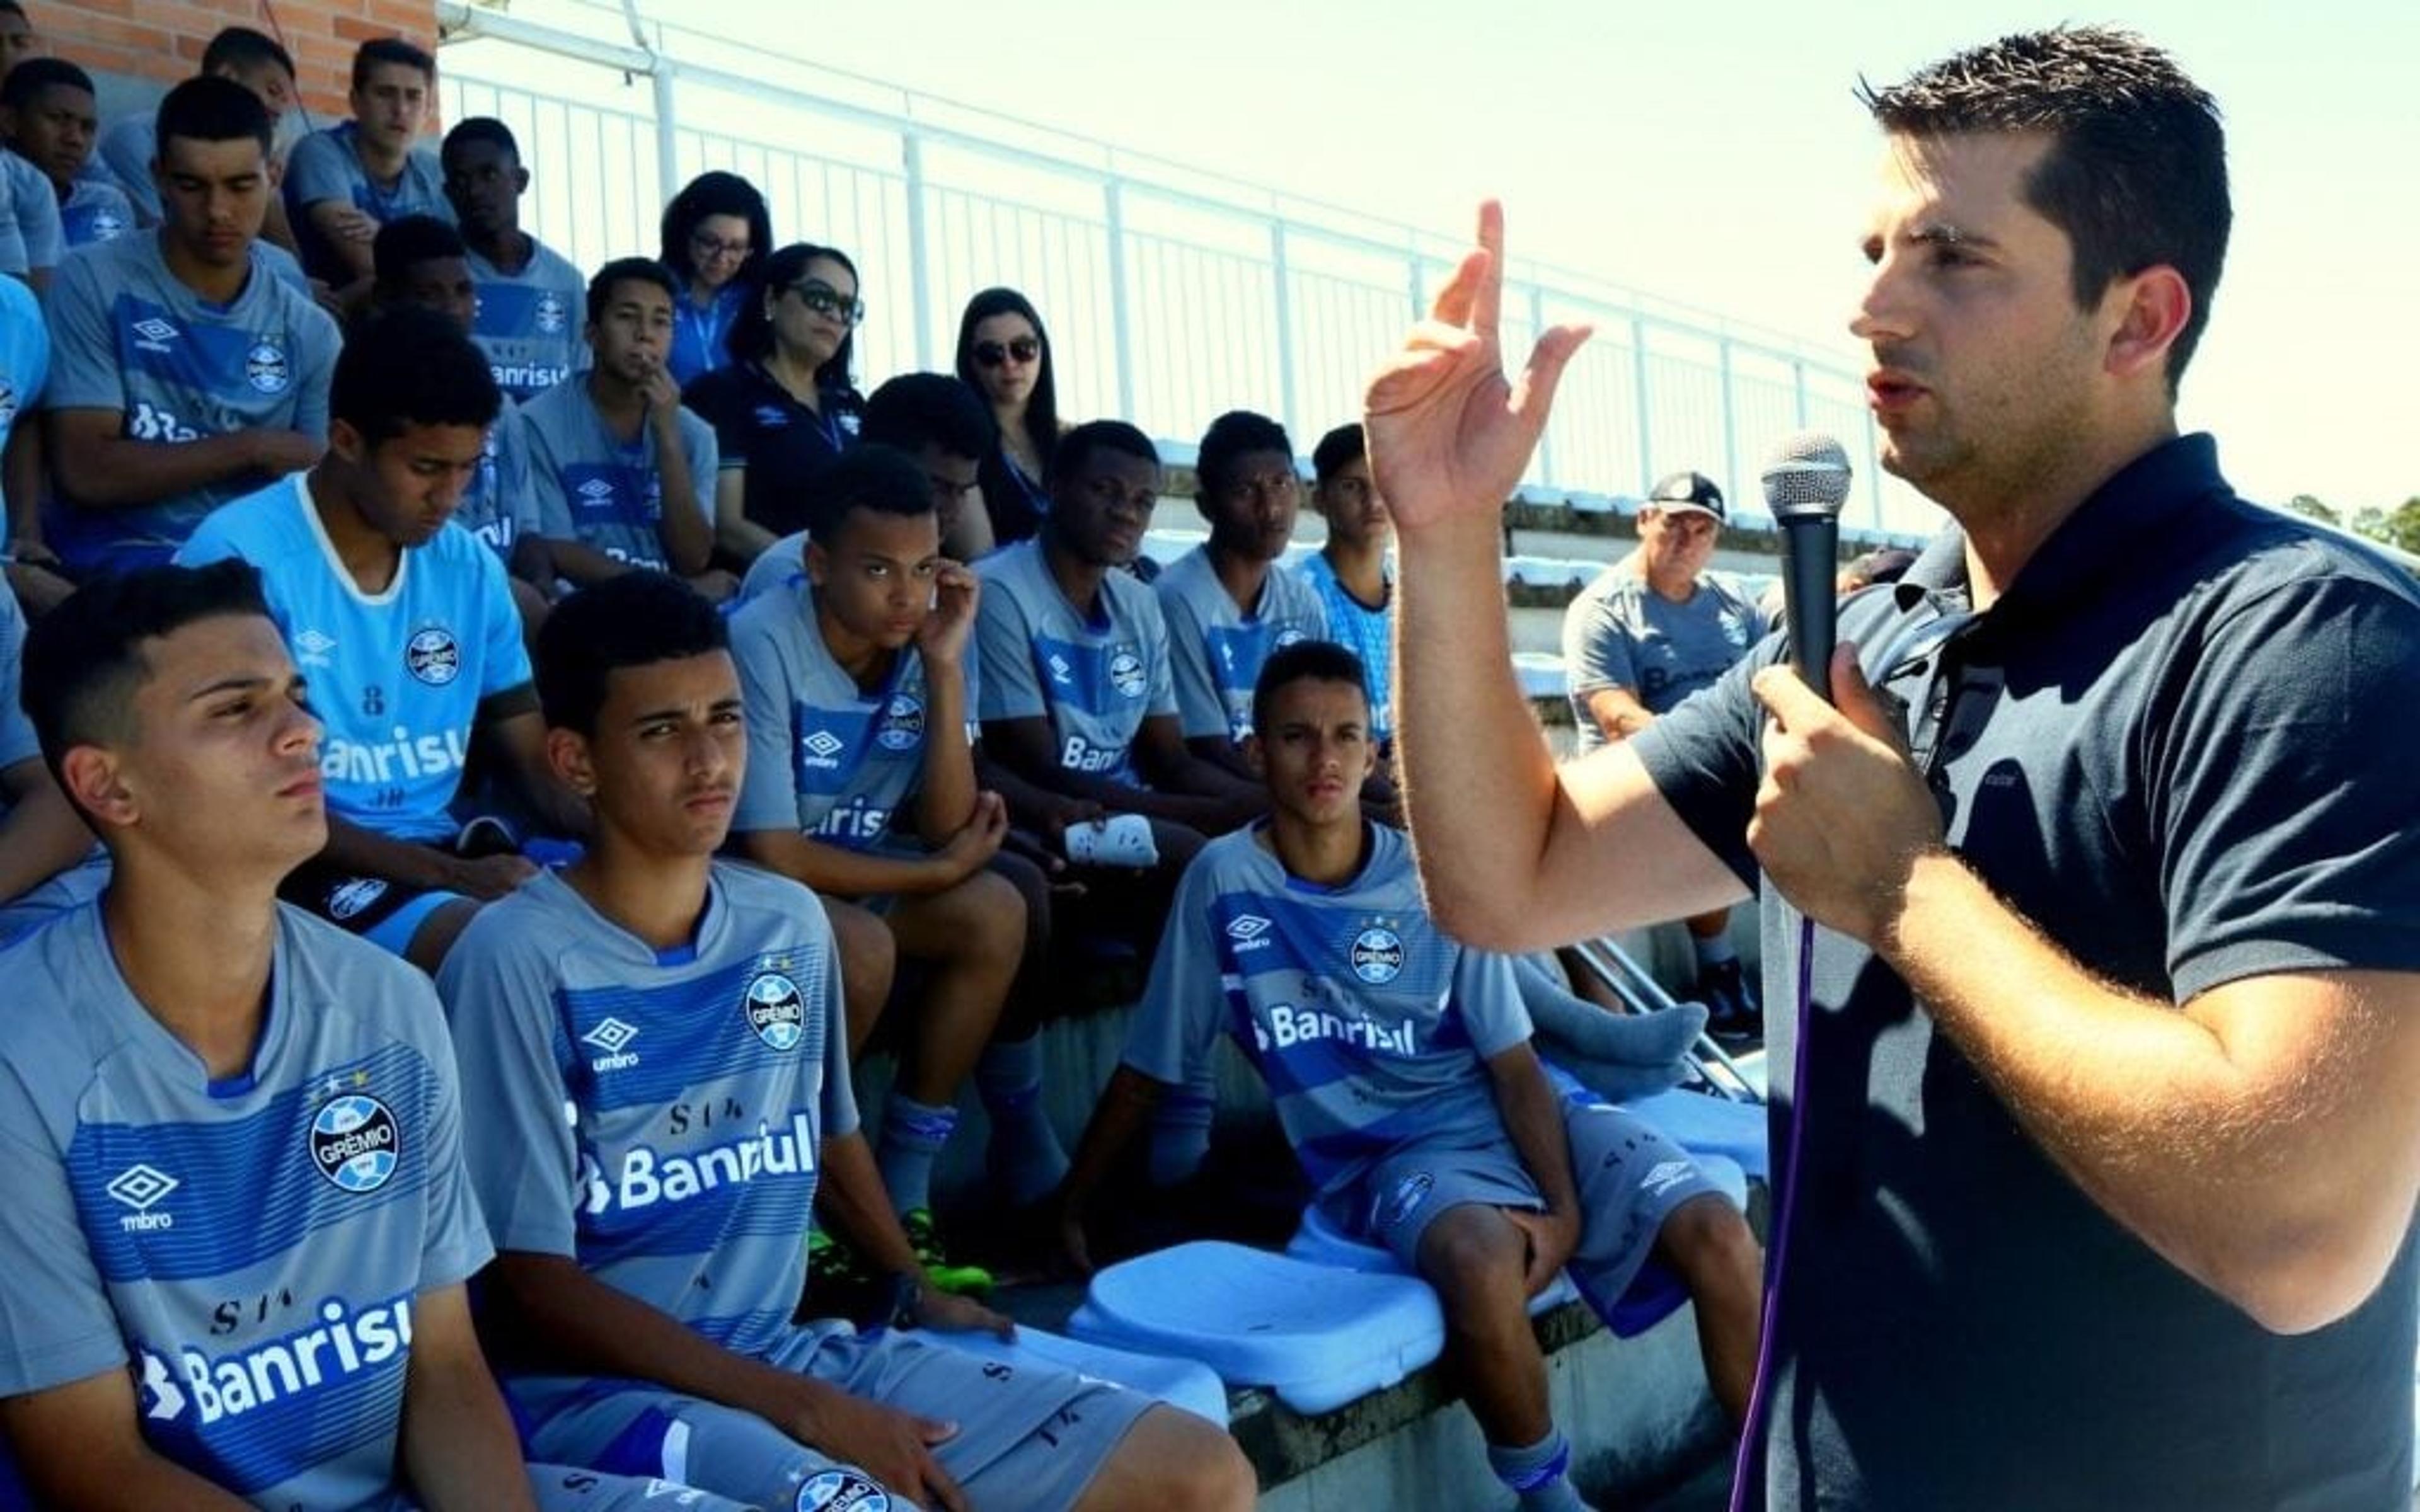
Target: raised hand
(1448,434)
(942,637)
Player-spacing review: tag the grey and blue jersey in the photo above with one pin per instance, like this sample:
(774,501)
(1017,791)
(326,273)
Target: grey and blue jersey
(25,355)
(32,237)
(94,212)
(825,758)
(397,677)
(249,1249)
(655,1115)
(327,165)
(499,506)
(122,158)
(1370,1025)
(127,336)
(1620,633)
(1368,633)
(782,565)
(605,493)
(529,322)
(45,901)
(1096,677)
(1215,649)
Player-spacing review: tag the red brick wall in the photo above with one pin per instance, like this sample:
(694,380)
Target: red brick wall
(163,39)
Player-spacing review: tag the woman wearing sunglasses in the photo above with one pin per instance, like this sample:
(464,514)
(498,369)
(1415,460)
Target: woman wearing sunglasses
(715,234)
(785,405)
(1004,352)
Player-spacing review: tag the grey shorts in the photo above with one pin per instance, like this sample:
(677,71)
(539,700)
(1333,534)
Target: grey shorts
(1630,1179)
(556,1489)
(1029,1436)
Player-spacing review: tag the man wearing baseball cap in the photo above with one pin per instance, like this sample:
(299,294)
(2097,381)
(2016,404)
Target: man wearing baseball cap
(1652,630)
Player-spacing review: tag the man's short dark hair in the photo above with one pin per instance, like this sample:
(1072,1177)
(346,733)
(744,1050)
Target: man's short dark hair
(635,619)
(2136,171)
(869,476)
(410,367)
(1077,447)
(1305,661)
(409,241)
(84,659)
(381,51)
(27,80)
(480,128)
(241,47)
(211,109)
(1231,437)
(1338,449)
(628,270)
(930,409)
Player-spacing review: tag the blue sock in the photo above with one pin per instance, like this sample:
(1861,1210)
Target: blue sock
(1538,1475)
(1180,1129)
(1714,951)
(912,1137)
(1027,1160)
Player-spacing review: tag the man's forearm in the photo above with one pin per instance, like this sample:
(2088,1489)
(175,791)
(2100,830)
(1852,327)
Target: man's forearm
(367,852)
(687,532)
(851,1194)
(1534,1122)
(842,872)
(945,799)
(459,1448)
(1478,789)
(580,562)
(2263,1168)
(40,838)
(120,472)
(1125,1105)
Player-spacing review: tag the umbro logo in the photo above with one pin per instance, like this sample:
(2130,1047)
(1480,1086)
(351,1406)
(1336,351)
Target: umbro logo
(311,647)
(156,333)
(1663,1176)
(596,490)
(822,748)
(1247,927)
(140,1187)
(612,1037)
(1060,670)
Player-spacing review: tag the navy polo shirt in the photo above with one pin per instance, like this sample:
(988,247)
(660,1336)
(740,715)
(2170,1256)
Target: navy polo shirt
(780,443)
(2180,744)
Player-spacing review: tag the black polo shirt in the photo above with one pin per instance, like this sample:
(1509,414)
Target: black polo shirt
(778,443)
(2181,743)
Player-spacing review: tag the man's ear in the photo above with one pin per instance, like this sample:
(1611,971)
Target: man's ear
(1255,756)
(92,781)
(2155,307)
(567,757)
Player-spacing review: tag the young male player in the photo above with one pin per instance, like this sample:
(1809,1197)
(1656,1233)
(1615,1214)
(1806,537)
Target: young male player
(659,1086)
(861,785)
(1350,573)
(183,374)
(130,144)
(529,294)
(342,184)
(1403,1072)
(231,1136)
(624,474)
(49,116)
(406,627)
(1227,602)
(421,261)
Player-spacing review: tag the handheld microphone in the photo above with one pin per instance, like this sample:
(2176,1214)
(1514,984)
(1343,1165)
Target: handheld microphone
(1806,482)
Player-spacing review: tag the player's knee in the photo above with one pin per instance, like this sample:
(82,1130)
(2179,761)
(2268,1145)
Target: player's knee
(1472,1254)
(1177,844)
(1184,1464)
(988,914)
(1707,1237)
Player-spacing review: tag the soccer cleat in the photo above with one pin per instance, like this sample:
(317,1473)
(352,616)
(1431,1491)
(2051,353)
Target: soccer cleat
(958,1280)
(1731,1014)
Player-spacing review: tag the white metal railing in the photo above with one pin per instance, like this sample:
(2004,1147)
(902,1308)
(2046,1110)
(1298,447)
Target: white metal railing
(1172,295)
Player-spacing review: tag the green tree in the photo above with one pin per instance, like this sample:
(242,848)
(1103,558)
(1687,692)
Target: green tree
(2303,503)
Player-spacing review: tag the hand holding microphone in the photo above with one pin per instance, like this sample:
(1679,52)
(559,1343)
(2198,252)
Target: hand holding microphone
(1841,814)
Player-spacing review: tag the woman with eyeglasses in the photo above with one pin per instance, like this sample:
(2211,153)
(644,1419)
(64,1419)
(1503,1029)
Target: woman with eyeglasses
(715,234)
(1004,352)
(784,405)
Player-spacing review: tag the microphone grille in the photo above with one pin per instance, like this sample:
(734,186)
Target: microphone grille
(1806,473)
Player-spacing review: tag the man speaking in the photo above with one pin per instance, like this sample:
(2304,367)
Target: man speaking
(2101,1151)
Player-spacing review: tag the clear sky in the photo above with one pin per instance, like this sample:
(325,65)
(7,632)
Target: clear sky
(1712,152)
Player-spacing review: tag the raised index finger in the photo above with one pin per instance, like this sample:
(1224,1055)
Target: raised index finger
(1487,299)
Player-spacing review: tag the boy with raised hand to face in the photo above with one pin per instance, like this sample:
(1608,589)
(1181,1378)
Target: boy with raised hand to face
(624,473)
(410,629)
(1403,1076)
(685,1013)
(230,1135)
(1227,602)
(861,785)
(181,377)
